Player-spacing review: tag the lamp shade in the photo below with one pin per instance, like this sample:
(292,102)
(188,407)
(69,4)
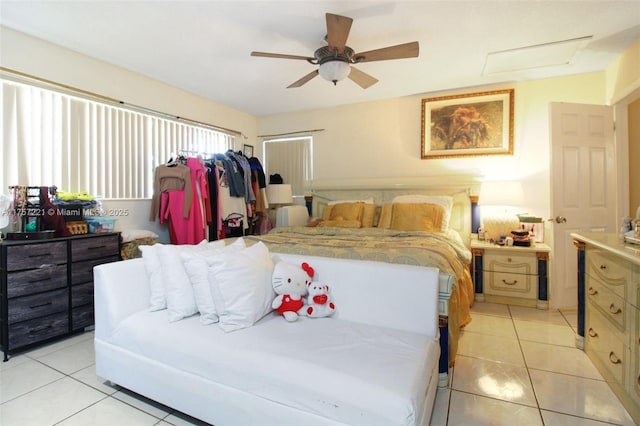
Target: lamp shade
(334,70)
(501,193)
(279,194)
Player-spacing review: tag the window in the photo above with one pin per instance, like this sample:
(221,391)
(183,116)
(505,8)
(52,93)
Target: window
(291,158)
(53,138)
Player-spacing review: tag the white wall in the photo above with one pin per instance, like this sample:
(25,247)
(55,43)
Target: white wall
(383,139)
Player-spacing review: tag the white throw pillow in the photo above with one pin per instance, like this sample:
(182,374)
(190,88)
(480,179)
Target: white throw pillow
(197,269)
(181,301)
(445,201)
(241,287)
(152,265)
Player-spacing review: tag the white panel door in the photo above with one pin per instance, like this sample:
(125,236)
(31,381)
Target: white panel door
(583,187)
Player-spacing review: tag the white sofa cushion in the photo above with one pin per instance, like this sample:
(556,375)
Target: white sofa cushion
(345,371)
(153,267)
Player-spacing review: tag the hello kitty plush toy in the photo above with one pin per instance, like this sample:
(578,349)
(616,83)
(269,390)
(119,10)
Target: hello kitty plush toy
(290,284)
(319,303)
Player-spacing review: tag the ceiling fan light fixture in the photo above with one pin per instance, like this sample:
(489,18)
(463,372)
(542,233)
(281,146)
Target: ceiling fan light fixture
(335,70)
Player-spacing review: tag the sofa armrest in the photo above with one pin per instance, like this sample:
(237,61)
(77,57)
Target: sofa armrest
(120,289)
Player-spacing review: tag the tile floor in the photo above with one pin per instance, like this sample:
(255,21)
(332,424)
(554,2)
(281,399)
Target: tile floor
(516,366)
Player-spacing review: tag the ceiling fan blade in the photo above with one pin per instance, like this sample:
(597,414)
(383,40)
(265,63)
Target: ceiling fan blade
(400,51)
(280,56)
(303,80)
(338,28)
(362,79)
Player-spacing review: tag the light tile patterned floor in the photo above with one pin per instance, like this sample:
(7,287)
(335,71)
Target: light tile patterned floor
(516,366)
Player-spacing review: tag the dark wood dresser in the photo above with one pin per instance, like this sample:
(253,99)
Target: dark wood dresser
(46,286)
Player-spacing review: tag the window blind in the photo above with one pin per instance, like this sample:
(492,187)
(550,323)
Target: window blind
(51,138)
(292,159)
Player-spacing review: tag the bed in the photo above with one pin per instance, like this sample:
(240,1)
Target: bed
(448,251)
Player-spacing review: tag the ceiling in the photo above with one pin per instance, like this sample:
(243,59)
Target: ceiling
(204,46)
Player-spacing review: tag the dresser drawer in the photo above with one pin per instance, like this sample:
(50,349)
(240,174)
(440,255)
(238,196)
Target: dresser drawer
(43,278)
(38,305)
(82,317)
(30,256)
(614,272)
(82,272)
(606,345)
(511,263)
(611,306)
(95,247)
(510,284)
(39,329)
(82,294)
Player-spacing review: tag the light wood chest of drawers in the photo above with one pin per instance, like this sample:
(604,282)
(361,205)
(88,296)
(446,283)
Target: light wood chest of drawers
(46,286)
(609,303)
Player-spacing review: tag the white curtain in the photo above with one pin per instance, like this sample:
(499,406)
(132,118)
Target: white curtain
(55,139)
(292,159)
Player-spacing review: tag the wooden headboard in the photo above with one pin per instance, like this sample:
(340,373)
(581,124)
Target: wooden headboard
(461,214)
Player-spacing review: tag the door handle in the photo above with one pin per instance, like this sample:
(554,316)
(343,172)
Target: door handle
(558,219)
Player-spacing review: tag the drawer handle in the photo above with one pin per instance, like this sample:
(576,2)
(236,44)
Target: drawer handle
(97,247)
(41,305)
(613,358)
(613,310)
(638,380)
(40,329)
(603,267)
(592,332)
(40,280)
(40,255)
(510,283)
(592,292)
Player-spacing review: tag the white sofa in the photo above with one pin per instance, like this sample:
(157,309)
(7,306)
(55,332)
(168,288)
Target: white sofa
(374,362)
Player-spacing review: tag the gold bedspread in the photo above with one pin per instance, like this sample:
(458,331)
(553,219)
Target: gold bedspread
(384,245)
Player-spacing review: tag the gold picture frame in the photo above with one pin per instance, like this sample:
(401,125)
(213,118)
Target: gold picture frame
(467,125)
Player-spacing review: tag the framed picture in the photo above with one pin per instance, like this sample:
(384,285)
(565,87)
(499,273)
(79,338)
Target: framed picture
(468,125)
(248,150)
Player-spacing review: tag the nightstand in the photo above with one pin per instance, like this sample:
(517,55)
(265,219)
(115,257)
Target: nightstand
(511,274)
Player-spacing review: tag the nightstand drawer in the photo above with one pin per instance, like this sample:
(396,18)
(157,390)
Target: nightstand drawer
(95,247)
(30,256)
(509,284)
(611,306)
(38,305)
(510,263)
(46,277)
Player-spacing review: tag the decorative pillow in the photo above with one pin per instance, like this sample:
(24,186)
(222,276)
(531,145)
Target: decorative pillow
(151,259)
(241,287)
(445,201)
(181,301)
(346,211)
(197,269)
(417,217)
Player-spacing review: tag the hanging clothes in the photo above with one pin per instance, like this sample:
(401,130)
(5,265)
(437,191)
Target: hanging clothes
(171,178)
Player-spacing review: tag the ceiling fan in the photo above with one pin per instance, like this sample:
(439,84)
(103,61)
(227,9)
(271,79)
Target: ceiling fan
(336,58)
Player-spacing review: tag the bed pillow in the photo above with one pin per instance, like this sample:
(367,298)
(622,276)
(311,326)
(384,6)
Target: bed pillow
(197,269)
(384,221)
(366,201)
(445,201)
(137,234)
(366,220)
(346,211)
(240,284)
(152,265)
(417,217)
